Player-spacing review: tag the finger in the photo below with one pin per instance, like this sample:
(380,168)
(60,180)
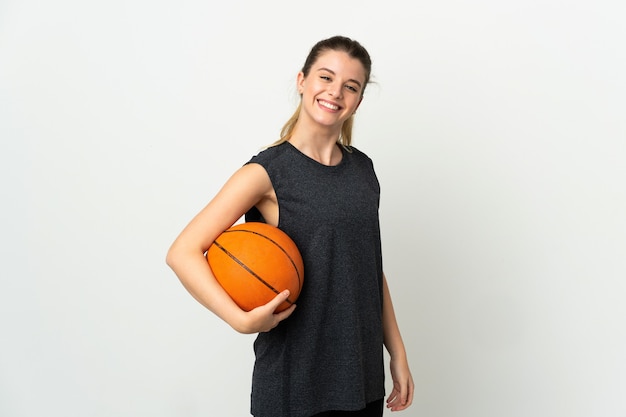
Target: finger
(403,394)
(404,398)
(285,313)
(410,394)
(278,300)
(393,398)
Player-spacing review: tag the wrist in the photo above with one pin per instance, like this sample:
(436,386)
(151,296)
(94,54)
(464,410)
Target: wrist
(396,351)
(238,320)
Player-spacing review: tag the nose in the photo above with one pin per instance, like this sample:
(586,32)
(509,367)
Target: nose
(334,91)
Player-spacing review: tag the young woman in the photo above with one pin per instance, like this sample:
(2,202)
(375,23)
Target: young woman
(325,356)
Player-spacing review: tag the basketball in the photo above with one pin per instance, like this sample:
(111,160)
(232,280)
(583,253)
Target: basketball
(254,262)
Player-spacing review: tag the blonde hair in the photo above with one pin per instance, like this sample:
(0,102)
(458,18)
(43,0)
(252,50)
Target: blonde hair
(345,137)
(336,43)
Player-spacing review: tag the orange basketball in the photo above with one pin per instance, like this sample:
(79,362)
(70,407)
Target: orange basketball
(254,262)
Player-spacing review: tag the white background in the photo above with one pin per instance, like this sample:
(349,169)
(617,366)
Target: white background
(498,132)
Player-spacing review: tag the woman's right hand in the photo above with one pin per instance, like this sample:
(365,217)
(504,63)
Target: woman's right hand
(264,318)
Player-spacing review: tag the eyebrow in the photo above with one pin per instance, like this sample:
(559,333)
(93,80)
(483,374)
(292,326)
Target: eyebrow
(333,72)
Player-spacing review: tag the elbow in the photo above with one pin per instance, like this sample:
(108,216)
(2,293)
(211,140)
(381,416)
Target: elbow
(170,257)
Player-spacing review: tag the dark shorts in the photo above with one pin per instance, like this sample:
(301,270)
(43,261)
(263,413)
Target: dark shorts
(373,409)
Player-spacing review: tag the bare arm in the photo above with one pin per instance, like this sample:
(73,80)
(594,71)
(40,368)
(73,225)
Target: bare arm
(247,187)
(401,396)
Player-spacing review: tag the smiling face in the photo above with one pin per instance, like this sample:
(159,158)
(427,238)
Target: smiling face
(332,90)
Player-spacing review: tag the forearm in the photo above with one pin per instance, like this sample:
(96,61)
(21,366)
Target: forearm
(194,273)
(391,331)
(401,396)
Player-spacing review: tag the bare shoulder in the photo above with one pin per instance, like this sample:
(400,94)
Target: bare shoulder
(244,189)
(251,178)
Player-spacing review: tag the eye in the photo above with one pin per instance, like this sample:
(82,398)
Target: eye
(325,77)
(352,88)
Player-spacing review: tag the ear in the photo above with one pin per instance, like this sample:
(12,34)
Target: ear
(300,82)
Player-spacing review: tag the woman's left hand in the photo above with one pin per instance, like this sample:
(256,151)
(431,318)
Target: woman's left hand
(401,396)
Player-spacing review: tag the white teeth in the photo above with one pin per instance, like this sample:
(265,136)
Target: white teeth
(329,106)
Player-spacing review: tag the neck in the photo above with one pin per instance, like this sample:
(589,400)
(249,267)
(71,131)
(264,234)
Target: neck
(318,144)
